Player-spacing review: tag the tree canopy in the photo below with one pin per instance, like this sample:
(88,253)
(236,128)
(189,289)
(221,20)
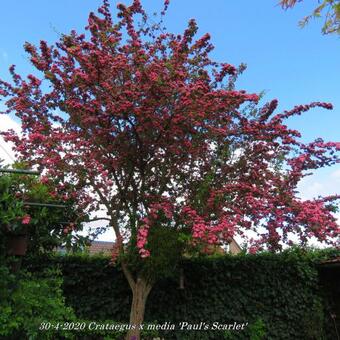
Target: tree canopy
(148,126)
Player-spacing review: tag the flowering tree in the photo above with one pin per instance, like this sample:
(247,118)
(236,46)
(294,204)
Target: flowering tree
(144,123)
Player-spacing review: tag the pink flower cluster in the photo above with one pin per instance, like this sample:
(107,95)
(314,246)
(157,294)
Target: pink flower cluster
(210,231)
(164,206)
(26,219)
(143,232)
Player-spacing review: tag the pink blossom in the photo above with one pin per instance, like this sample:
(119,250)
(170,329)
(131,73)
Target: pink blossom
(26,219)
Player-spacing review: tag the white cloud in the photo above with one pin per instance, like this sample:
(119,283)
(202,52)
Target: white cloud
(108,235)
(336,175)
(6,152)
(310,188)
(5,56)
(321,183)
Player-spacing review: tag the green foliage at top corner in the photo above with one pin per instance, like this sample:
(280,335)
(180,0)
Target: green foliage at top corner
(328,10)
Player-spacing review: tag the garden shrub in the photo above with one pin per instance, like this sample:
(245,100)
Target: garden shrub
(28,300)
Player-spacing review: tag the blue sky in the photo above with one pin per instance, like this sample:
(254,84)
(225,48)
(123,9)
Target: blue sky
(294,65)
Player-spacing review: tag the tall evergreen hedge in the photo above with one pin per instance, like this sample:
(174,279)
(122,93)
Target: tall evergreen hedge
(276,294)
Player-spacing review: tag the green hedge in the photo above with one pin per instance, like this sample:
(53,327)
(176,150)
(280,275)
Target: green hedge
(278,295)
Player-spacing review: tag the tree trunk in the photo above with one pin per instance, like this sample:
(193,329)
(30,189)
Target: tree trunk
(140,294)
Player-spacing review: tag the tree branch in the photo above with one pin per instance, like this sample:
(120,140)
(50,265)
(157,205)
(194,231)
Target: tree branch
(98,219)
(128,275)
